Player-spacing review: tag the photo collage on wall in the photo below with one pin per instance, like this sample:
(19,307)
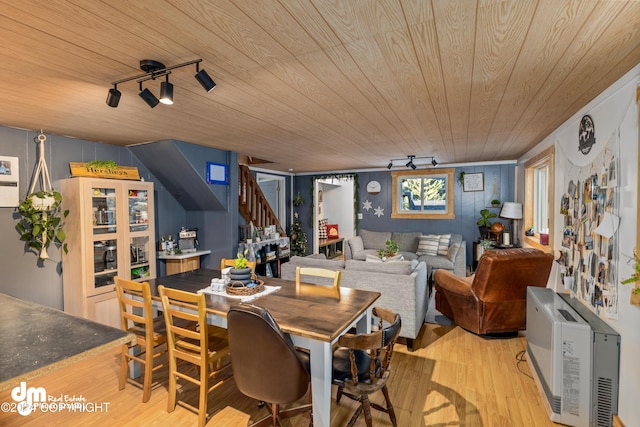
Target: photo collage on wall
(588,253)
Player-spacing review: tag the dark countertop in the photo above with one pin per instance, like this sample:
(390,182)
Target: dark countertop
(37,340)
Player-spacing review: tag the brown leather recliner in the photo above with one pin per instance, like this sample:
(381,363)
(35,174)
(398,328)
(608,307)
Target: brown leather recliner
(494,299)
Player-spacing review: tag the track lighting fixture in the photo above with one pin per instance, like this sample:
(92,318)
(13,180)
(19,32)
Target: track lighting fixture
(166,92)
(153,70)
(148,97)
(113,97)
(205,80)
(411,164)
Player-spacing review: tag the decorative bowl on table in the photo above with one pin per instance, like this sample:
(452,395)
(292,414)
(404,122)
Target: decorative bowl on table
(237,287)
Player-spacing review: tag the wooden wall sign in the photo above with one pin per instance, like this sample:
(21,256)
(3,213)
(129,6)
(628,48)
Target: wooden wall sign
(120,172)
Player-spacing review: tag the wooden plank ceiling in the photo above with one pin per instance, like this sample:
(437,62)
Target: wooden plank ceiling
(316,85)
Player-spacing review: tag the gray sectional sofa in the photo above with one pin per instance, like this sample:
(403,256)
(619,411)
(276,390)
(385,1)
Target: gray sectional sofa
(402,285)
(368,242)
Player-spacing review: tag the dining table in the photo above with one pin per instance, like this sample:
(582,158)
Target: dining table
(314,316)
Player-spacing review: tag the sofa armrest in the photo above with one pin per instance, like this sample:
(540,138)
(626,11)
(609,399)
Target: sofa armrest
(452,283)
(346,250)
(460,262)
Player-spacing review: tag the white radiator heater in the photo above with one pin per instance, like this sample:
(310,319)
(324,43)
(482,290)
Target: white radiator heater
(575,356)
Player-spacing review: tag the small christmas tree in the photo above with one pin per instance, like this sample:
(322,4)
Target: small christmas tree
(298,237)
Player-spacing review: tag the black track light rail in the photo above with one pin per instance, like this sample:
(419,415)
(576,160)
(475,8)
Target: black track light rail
(155,73)
(411,158)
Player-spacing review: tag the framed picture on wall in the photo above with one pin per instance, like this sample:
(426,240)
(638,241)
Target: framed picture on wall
(473,181)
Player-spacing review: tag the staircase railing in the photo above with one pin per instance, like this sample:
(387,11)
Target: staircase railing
(253,205)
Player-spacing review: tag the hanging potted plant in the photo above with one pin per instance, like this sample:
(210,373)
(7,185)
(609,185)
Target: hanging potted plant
(41,221)
(41,216)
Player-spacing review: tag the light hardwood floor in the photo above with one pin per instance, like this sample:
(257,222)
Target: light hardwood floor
(454,378)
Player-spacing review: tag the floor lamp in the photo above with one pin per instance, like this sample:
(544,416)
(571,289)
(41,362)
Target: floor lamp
(511,211)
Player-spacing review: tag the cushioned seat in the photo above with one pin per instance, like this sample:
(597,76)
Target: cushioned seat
(494,299)
(361,365)
(266,365)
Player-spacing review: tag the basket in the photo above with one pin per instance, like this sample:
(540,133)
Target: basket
(239,288)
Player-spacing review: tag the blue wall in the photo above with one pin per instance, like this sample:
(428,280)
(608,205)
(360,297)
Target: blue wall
(41,282)
(467,205)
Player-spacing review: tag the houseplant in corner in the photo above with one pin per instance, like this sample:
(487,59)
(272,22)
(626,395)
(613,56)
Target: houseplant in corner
(41,216)
(484,223)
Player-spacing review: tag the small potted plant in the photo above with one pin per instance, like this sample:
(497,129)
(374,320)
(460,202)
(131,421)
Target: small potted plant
(391,249)
(484,245)
(495,203)
(484,222)
(241,271)
(634,279)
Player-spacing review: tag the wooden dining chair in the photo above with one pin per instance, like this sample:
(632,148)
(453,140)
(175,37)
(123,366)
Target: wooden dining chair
(137,318)
(324,276)
(208,354)
(227,262)
(361,365)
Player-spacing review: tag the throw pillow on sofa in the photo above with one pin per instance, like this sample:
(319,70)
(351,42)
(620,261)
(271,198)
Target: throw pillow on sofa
(443,244)
(356,245)
(428,245)
(453,251)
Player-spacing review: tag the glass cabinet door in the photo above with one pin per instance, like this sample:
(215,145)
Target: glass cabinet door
(103,203)
(139,252)
(138,210)
(105,262)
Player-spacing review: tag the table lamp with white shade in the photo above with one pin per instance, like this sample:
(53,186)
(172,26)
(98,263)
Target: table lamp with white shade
(511,211)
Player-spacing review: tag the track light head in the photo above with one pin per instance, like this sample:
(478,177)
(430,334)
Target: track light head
(148,97)
(113,97)
(434,163)
(410,164)
(166,92)
(390,165)
(204,79)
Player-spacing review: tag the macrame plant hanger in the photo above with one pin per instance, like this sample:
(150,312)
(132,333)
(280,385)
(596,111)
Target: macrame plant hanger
(44,203)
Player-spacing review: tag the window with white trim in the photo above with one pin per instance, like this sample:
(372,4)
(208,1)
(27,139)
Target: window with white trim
(538,205)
